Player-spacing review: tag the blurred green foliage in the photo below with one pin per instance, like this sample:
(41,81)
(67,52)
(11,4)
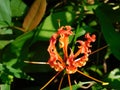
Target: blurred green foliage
(101,17)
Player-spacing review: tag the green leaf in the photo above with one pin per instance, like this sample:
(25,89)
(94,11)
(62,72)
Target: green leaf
(8,73)
(4,87)
(80,85)
(17,50)
(5,37)
(74,87)
(6,77)
(115,74)
(79,32)
(96,70)
(3,24)
(107,17)
(98,87)
(5,11)
(16,73)
(114,79)
(38,53)
(1,67)
(51,24)
(13,56)
(18,7)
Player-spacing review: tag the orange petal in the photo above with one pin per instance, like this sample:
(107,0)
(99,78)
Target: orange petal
(55,60)
(64,33)
(81,61)
(70,66)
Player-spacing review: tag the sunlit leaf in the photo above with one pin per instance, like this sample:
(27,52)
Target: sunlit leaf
(50,24)
(114,78)
(1,67)
(79,32)
(18,7)
(115,74)
(34,15)
(5,11)
(5,87)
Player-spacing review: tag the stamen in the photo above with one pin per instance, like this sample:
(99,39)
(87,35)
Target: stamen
(36,62)
(103,83)
(61,81)
(99,49)
(69,81)
(50,80)
(77,53)
(58,20)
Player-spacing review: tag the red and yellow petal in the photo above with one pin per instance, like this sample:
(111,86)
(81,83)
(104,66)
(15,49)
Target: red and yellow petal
(69,62)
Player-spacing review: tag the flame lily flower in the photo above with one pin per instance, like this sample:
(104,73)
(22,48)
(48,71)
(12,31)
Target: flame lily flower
(69,61)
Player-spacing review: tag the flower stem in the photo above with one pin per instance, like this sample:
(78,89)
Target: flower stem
(61,81)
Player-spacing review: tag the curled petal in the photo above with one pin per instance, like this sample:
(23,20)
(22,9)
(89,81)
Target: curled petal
(90,38)
(64,33)
(81,61)
(58,66)
(70,66)
(55,60)
(51,48)
(84,48)
(85,45)
(68,61)
(65,30)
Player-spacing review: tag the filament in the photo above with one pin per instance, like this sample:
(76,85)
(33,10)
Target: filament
(99,49)
(61,81)
(103,83)
(32,62)
(69,81)
(50,80)
(77,53)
